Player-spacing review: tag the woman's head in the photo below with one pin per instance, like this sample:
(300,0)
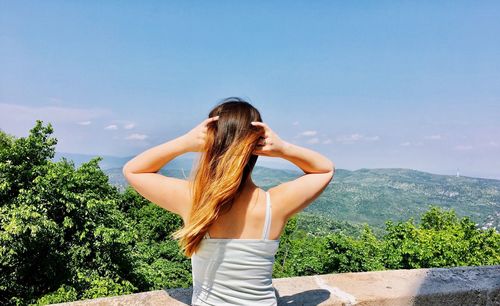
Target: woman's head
(233,131)
(222,169)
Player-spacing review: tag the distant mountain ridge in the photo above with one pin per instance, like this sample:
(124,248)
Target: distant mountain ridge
(370,196)
(110,162)
(373,195)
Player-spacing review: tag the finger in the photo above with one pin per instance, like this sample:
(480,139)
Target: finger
(259,152)
(262,125)
(260,146)
(258,123)
(211,119)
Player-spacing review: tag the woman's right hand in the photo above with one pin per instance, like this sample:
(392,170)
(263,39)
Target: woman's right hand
(270,144)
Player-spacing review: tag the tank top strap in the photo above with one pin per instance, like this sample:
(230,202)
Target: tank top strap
(267,223)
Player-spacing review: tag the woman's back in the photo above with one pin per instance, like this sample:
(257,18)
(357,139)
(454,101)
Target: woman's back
(236,268)
(246,217)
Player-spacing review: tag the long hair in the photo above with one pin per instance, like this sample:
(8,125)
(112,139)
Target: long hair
(222,169)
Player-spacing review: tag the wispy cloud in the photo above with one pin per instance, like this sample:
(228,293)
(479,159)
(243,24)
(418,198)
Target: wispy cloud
(295,123)
(308,133)
(17,119)
(136,136)
(28,113)
(463,147)
(493,144)
(356,137)
(129,126)
(111,127)
(313,140)
(311,137)
(411,143)
(125,125)
(433,137)
(372,138)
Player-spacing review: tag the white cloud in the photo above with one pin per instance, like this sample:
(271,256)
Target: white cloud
(308,133)
(493,144)
(433,137)
(137,136)
(356,137)
(59,114)
(313,140)
(295,123)
(126,126)
(327,141)
(349,138)
(410,143)
(129,126)
(17,119)
(372,138)
(111,127)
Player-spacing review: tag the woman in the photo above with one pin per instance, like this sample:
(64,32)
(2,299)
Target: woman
(231,226)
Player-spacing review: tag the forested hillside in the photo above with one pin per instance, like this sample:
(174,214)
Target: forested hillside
(374,196)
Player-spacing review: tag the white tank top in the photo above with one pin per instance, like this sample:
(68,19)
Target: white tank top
(229,271)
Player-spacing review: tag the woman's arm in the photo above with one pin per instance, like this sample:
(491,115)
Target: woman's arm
(152,160)
(295,195)
(308,160)
(169,193)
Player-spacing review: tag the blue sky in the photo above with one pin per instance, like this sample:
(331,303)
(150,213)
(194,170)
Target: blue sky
(370,84)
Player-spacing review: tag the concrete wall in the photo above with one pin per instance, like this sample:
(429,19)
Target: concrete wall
(437,286)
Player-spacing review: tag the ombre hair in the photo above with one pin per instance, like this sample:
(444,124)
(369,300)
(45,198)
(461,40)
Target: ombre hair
(222,168)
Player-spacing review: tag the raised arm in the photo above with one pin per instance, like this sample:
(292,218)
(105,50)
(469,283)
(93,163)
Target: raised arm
(294,196)
(291,197)
(306,159)
(170,193)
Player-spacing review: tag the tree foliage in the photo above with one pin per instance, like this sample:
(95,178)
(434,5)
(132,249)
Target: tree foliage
(67,234)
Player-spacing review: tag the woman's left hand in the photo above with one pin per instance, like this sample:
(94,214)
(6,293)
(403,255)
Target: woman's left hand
(196,138)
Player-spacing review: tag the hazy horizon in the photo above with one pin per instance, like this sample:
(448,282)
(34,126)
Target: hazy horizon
(276,163)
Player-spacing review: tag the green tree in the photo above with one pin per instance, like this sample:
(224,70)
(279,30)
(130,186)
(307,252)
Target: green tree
(58,226)
(286,238)
(23,159)
(441,240)
(348,254)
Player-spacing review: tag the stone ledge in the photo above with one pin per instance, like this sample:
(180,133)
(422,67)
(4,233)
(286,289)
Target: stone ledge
(436,286)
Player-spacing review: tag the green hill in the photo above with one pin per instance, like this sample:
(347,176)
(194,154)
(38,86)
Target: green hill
(375,195)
